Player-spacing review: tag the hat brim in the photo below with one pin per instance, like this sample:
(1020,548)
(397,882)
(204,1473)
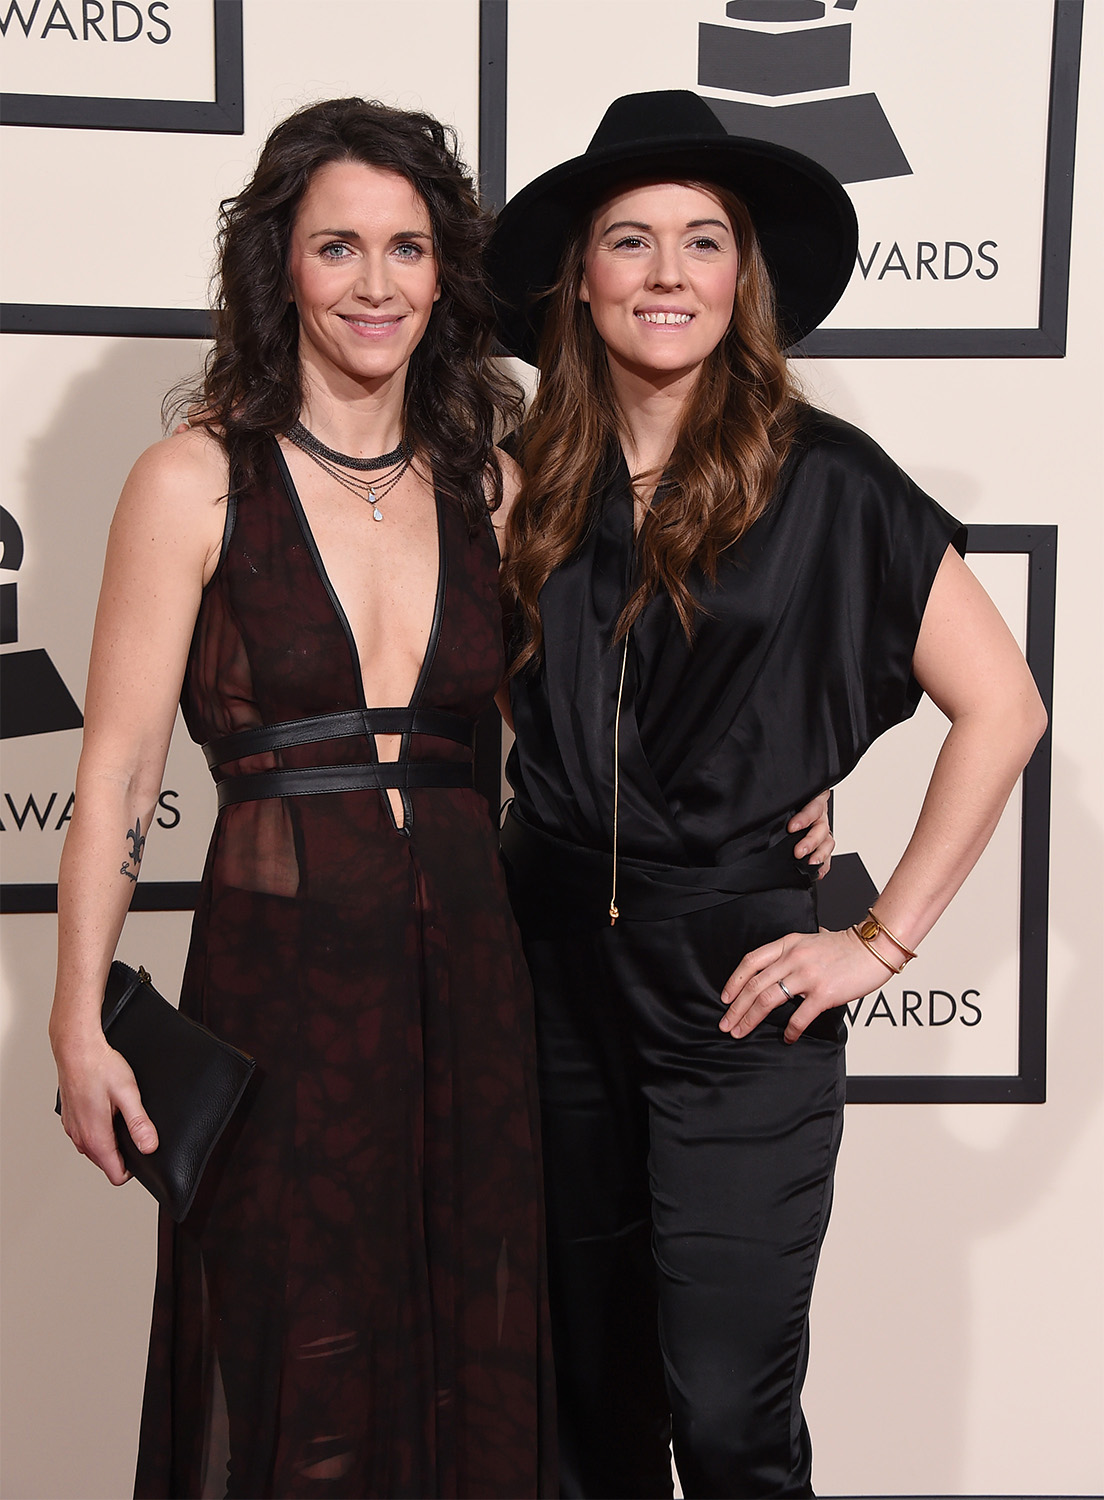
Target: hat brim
(805,221)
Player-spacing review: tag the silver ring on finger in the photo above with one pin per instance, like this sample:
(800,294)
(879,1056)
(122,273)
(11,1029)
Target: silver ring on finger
(785,991)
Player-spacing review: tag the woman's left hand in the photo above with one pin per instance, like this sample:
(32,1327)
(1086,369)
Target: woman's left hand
(817,845)
(821,969)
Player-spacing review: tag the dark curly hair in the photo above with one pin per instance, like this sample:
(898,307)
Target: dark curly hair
(456,398)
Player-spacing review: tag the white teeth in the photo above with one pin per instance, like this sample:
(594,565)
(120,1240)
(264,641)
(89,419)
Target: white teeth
(665,317)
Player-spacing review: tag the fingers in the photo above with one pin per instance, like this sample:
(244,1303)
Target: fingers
(758,997)
(749,966)
(821,856)
(819,969)
(90,1102)
(817,844)
(101,1148)
(803,1016)
(141,1128)
(752,990)
(812,813)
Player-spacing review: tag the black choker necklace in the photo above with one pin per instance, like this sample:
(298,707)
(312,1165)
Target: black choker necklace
(317,449)
(371,491)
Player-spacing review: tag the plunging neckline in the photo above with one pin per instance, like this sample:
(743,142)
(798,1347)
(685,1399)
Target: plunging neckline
(307,532)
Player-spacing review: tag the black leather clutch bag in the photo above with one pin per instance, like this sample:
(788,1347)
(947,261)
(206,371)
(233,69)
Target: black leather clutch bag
(190,1081)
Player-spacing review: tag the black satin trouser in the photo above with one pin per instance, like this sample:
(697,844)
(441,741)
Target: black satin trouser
(689,1180)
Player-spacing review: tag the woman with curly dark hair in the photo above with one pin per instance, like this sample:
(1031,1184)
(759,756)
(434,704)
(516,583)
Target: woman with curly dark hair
(354,1304)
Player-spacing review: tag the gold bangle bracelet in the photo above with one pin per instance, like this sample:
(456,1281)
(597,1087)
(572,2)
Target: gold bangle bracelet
(874,926)
(893,969)
(896,941)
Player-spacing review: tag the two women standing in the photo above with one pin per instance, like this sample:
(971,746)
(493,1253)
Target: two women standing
(719,598)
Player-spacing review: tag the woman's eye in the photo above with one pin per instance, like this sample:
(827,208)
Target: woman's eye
(628,242)
(409,250)
(336,250)
(705,243)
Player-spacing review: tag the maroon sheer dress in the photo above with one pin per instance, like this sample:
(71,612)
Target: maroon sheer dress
(355,1305)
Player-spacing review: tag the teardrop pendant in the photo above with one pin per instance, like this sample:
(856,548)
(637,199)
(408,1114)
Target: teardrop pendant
(377,514)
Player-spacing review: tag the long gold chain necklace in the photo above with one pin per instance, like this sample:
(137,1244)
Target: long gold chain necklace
(613,912)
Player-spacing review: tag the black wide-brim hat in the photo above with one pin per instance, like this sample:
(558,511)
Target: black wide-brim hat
(804,219)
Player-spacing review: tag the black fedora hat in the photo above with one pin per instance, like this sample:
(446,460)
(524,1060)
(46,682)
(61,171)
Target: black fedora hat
(804,219)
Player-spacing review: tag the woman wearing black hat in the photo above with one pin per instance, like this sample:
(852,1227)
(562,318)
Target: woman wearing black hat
(722,597)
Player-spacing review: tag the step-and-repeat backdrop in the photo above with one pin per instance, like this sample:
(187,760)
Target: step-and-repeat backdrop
(958,344)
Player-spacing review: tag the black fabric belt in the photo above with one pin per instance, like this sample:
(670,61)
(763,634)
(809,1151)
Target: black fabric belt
(551,879)
(312,780)
(432,721)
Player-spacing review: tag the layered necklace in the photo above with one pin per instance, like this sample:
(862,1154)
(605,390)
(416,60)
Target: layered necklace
(387,469)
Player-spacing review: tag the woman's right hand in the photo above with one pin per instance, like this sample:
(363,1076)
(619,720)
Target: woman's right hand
(96,1082)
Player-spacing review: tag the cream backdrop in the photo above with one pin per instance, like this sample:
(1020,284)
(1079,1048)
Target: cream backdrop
(958,1316)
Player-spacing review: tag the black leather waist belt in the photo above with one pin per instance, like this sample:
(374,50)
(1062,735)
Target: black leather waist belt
(432,721)
(312,780)
(304,781)
(550,878)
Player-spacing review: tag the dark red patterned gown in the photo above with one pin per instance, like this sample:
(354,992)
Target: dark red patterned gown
(355,1305)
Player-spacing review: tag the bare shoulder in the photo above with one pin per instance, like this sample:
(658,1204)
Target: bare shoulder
(186,467)
(175,497)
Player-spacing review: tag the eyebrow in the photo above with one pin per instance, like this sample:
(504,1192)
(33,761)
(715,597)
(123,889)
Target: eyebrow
(351,234)
(690,224)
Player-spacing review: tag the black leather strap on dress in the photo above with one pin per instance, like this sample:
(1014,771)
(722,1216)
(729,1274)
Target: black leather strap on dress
(312,780)
(432,721)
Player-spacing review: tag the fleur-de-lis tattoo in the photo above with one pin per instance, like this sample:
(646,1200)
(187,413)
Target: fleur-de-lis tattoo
(137,844)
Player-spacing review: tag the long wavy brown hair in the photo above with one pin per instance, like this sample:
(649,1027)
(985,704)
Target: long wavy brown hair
(736,430)
(456,398)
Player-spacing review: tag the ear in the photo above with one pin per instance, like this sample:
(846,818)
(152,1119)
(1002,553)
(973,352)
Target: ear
(437,293)
(584,290)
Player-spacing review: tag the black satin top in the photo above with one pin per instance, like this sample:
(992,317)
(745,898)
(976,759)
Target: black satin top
(801,657)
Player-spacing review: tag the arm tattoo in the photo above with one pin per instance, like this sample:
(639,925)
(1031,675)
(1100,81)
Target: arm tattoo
(129,867)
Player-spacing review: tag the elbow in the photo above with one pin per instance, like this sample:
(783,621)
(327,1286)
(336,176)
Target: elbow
(1038,722)
(130,785)
(1024,724)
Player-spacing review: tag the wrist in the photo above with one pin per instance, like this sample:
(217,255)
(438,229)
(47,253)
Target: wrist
(77,1045)
(881,931)
(878,941)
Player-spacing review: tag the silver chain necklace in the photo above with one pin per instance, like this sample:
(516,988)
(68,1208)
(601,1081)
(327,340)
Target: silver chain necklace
(371,491)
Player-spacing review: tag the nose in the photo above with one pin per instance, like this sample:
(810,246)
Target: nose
(374,283)
(665,272)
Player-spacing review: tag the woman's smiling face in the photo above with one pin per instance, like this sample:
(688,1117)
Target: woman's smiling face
(363,272)
(660,276)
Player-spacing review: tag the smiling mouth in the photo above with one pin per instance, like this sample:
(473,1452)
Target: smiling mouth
(666,319)
(371,325)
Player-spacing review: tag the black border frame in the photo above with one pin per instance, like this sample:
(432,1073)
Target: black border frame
(191,323)
(1046,341)
(1028,1084)
(223,115)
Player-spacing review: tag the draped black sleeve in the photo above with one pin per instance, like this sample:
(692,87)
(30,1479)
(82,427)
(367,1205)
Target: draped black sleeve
(801,658)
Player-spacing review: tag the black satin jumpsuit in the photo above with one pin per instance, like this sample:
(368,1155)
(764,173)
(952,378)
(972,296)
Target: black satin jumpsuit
(688,1174)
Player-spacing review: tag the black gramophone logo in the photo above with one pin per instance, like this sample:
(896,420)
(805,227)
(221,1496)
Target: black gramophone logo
(33,698)
(804,52)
